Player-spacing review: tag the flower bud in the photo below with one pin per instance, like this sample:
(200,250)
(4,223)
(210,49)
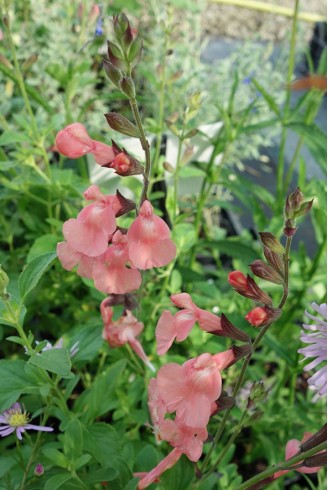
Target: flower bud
(127,87)
(39,470)
(295,207)
(257,317)
(135,50)
(238,280)
(122,125)
(258,392)
(304,209)
(289,229)
(261,316)
(4,281)
(274,260)
(116,56)
(124,165)
(271,242)
(168,167)
(266,272)
(114,74)
(121,24)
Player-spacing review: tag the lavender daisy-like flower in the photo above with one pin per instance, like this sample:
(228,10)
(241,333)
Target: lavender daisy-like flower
(16,419)
(316,336)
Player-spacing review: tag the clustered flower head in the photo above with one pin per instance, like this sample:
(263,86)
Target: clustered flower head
(315,336)
(15,419)
(110,256)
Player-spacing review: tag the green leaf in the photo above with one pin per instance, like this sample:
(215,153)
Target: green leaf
(15,381)
(103,442)
(233,248)
(57,481)
(314,139)
(102,474)
(6,463)
(33,272)
(184,236)
(54,360)
(57,457)
(82,460)
(99,398)
(268,98)
(9,137)
(43,245)
(189,172)
(73,443)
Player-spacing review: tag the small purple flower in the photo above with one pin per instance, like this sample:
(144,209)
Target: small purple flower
(15,419)
(39,470)
(317,349)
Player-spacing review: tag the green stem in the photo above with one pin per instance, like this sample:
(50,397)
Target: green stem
(176,176)
(281,165)
(205,189)
(160,119)
(145,147)
(286,465)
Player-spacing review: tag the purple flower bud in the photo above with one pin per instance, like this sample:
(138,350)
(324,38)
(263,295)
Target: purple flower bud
(39,470)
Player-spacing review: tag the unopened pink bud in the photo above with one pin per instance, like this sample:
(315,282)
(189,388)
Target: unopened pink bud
(257,317)
(39,470)
(121,164)
(237,280)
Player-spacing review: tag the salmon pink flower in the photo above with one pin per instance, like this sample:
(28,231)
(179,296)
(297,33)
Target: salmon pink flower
(190,389)
(15,419)
(111,275)
(74,142)
(90,232)
(257,316)
(69,258)
(292,448)
(149,240)
(123,331)
(170,460)
(238,280)
(178,327)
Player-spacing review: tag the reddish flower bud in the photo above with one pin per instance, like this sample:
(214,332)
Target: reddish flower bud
(124,164)
(266,272)
(238,280)
(261,316)
(289,229)
(274,260)
(257,317)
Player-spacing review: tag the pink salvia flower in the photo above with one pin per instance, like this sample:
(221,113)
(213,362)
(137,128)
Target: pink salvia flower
(111,274)
(190,389)
(74,142)
(316,337)
(69,258)
(149,240)
(170,460)
(188,440)
(94,226)
(123,331)
(16,420)
(178,327)
(292,448)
